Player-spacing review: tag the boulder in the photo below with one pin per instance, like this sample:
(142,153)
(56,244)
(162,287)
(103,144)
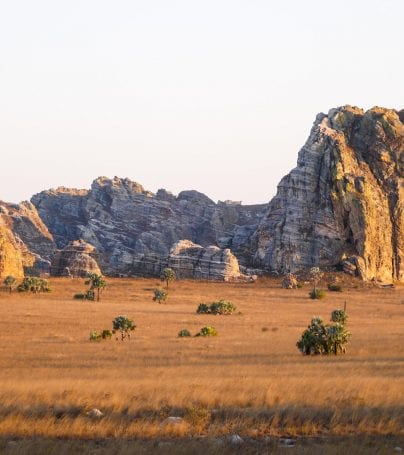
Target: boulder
(190,260)
(75,260)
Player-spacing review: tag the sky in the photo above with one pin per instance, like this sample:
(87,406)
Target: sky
(217,96)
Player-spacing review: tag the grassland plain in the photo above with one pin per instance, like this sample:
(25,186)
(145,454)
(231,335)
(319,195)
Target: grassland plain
(250,380)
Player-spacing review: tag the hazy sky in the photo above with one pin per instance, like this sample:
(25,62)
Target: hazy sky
(216,96)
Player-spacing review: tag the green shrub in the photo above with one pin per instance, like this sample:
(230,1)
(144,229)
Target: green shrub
(123,323)
(299,285)
(317,294)
(168,275)
(95,336)
(203,308)
(160,295)
(339,316)
(334,287)
(320,338)
(9,282)
(90,295)
(79,296)
(106,334)
(220,307)
(184,333)
(34,284)
(207,331)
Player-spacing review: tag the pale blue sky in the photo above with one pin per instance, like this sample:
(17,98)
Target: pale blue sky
(216,96)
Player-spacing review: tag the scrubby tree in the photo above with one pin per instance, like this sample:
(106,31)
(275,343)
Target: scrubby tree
(10,281)
(168,275)
(124,325)
(96,282)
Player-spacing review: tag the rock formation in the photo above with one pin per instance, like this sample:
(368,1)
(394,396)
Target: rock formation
(11,262)
(190,260)
(132,229)
(343,203)
(29,235)
(342,206)
(75,260)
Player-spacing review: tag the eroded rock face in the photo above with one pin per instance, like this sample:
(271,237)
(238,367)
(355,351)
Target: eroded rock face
(190,260)
(31,236)
(343,202)
(132,229)
(75,260)
(11,261)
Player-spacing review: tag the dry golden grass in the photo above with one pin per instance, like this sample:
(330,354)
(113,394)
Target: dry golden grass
(249,380)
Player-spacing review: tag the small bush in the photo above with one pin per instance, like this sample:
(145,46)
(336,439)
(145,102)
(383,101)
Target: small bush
(34,284)
(339,316)
(299,285)
(95,336)
(123,323)
(89,295)
(160,295)
(220,307)
(317,294)
(106,334)
(184,333)
(203,308)
(334,287)
(320,338)
(79,296)
(207,331)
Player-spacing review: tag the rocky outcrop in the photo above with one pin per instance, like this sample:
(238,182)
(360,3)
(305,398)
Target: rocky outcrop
(11,261)
(132,229)
(31,236)
(75,260)
(343,203)
(190,260)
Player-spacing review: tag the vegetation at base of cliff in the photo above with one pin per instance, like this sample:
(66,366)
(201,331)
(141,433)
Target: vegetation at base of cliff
(34,284)
(317,294)
(97,283)
(10,282)
(168,275)
(333,287)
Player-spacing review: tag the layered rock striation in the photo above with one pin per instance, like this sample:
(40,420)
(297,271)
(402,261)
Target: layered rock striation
(132,228)
(343,203)
(77,259)
(190,260)
(28,234)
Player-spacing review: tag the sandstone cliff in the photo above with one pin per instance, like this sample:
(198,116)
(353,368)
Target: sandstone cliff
(11,262)
(132,228)
(344,201)
(30,236)
(75,260)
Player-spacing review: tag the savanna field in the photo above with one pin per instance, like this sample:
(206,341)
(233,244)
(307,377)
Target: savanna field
(250,380)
